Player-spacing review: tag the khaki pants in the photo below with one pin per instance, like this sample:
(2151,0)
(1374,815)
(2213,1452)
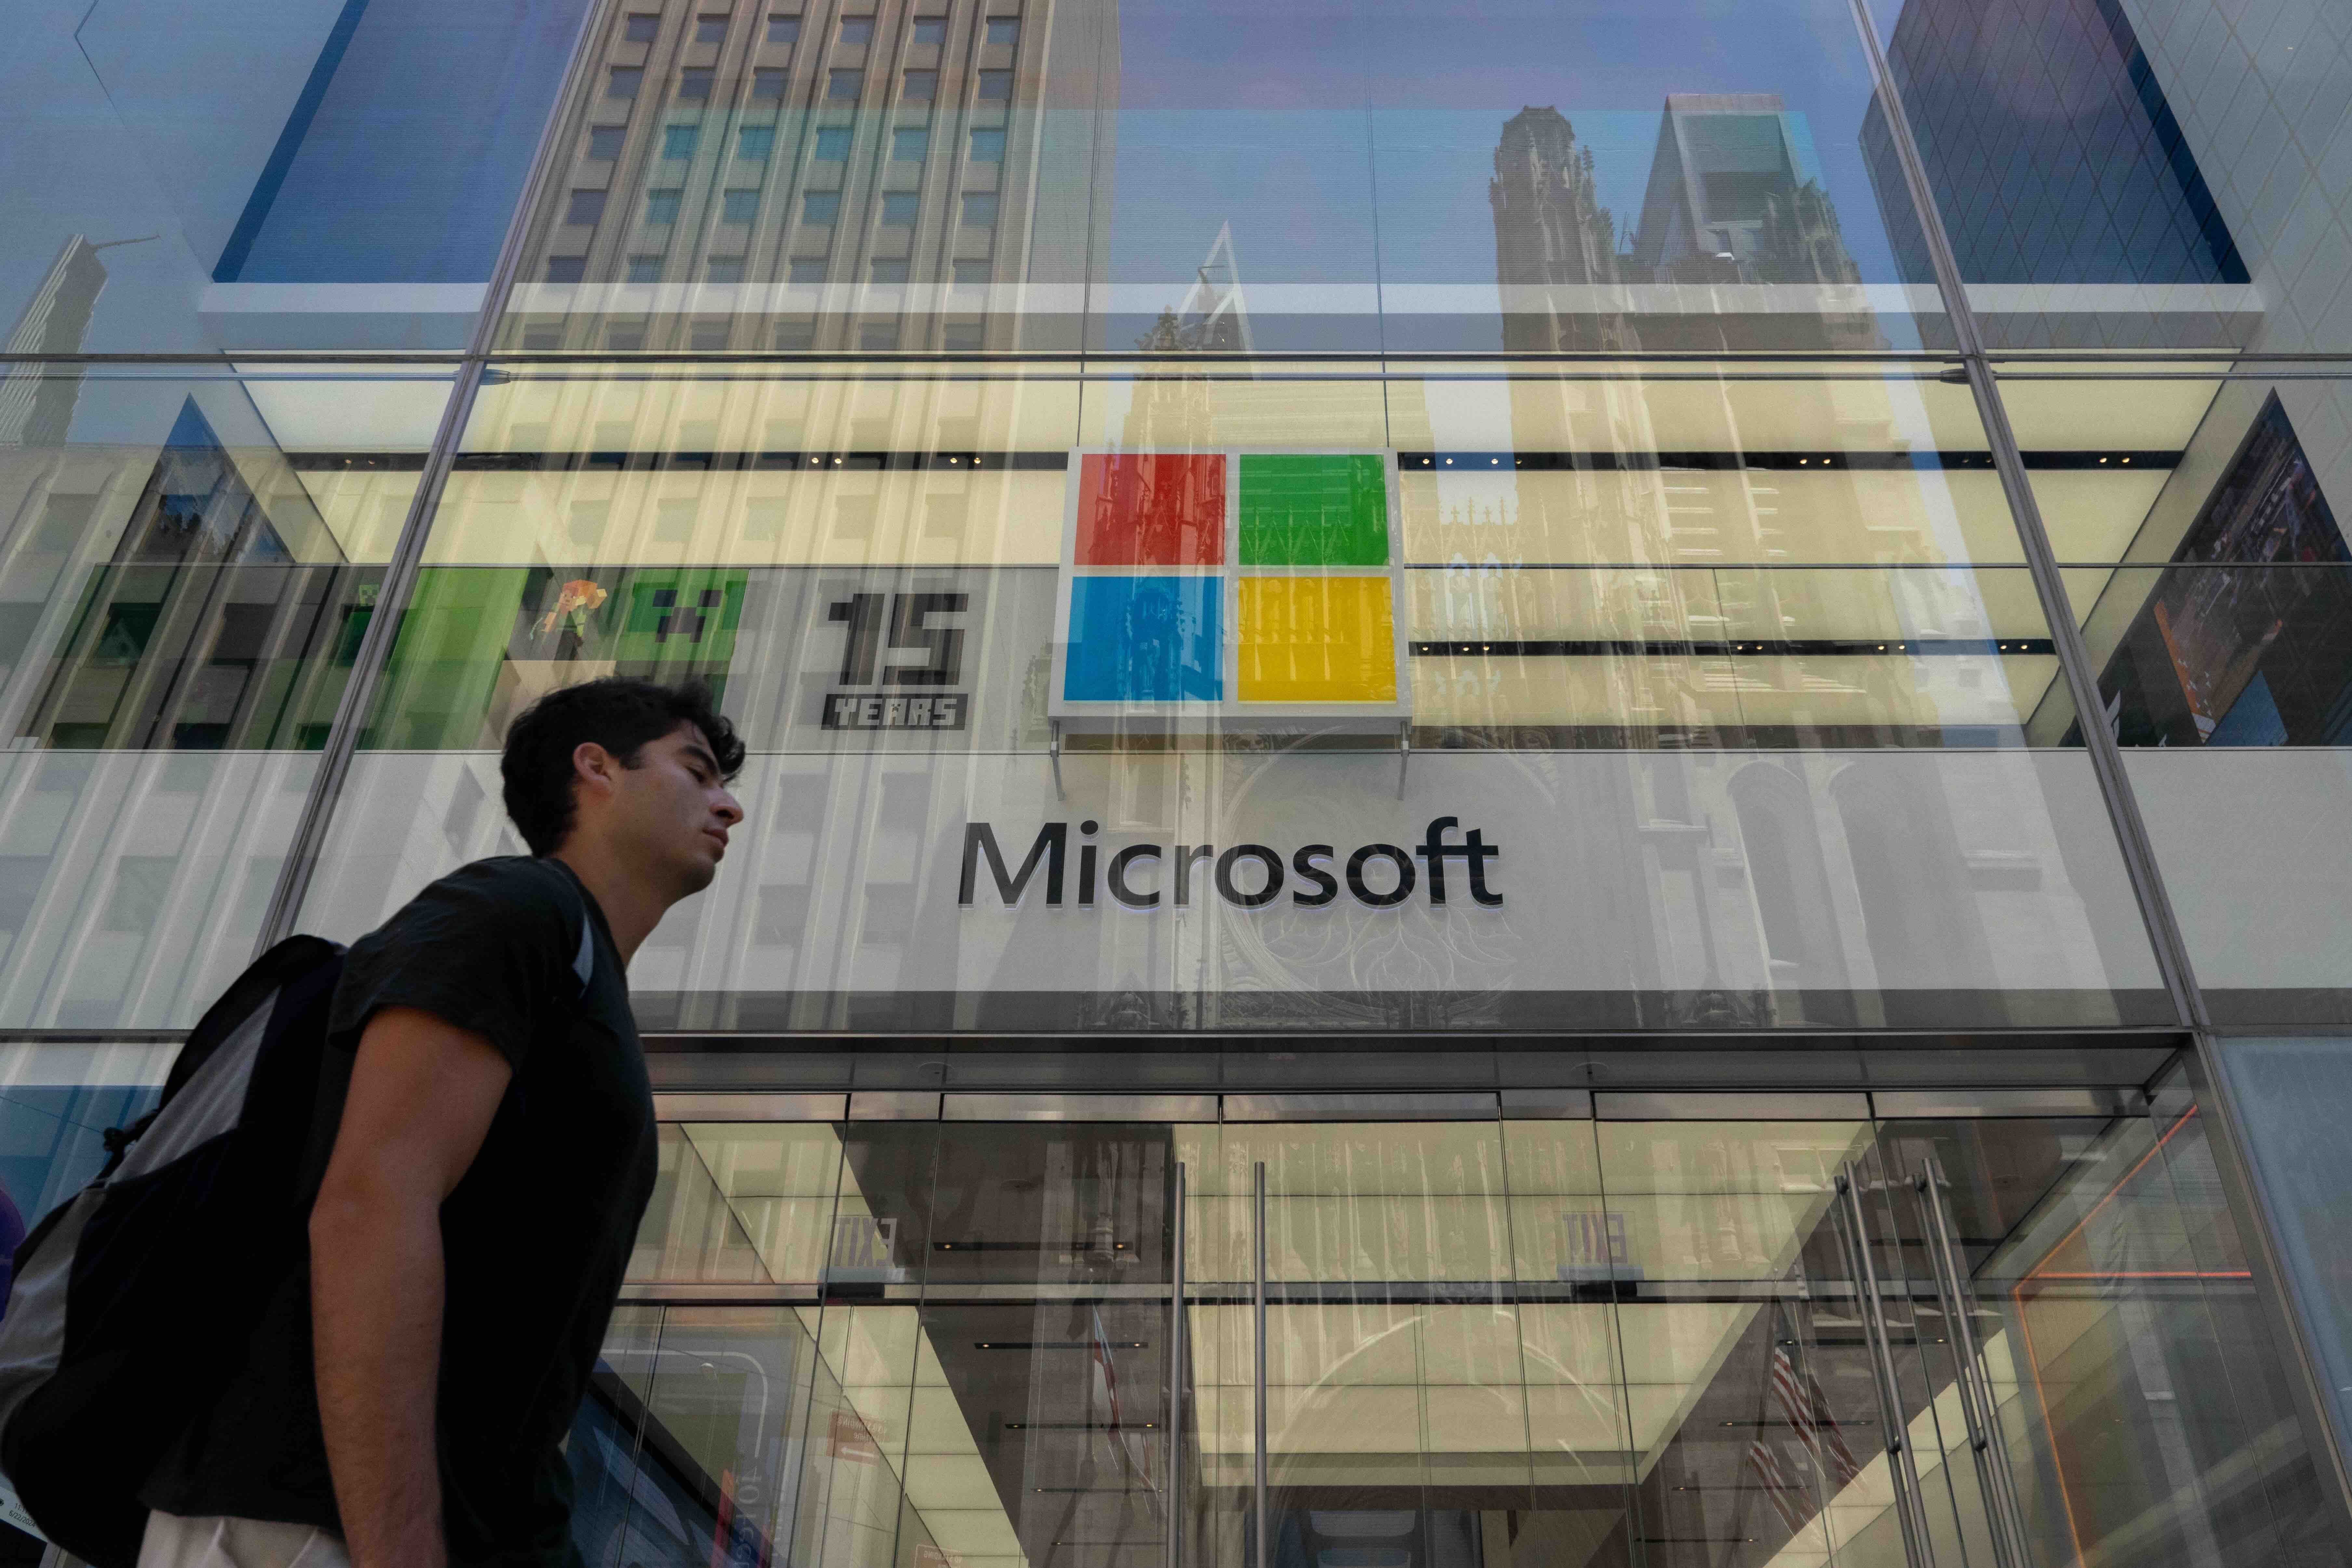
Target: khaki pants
(175,1542)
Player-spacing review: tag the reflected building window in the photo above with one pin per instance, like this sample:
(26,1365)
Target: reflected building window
(566,269)
(645,268)
(810,191)
(641,27)
(585,208)
(225,618)
(710,29)
(624,82)
(2245,639)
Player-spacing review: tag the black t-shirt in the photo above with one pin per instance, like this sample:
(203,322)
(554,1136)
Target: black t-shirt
(535,1238)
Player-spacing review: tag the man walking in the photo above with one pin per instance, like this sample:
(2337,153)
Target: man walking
(406,1396)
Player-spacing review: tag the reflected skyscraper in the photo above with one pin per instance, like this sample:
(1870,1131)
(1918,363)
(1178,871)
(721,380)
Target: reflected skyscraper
(1730,201)
(2097,185)
(37,406)
(907,175)
(1733,198)
(2079,174)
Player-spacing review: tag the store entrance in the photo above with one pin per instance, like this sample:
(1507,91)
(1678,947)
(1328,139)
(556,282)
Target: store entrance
(2006,1331)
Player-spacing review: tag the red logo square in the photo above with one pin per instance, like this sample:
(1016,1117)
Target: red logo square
(1165,510)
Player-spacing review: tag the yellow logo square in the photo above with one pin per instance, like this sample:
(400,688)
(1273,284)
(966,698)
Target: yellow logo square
(1316,639)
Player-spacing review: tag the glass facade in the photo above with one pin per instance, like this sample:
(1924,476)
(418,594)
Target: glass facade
(1526,783)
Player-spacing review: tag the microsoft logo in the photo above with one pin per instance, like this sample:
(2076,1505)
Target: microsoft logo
(1230,586)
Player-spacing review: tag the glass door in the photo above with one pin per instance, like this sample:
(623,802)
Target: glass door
(1717,1331)
(1046,1302)
(1757,1421)
(2105,1383)
(959,1357)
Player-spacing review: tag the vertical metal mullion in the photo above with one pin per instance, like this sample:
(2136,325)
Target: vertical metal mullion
(400,573)
(1258,1404)
(1175,1483)
(2172,951)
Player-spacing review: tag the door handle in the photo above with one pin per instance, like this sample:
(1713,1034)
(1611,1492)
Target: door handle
(1853,1238)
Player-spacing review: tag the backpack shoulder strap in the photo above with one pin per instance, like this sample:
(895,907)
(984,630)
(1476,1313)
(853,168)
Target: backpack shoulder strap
(295,956)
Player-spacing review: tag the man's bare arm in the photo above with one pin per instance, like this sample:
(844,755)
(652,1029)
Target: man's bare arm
(422,1097)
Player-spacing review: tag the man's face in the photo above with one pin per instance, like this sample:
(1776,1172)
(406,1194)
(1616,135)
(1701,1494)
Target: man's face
(673,812)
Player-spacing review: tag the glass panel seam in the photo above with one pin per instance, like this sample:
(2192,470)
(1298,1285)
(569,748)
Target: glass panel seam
(400,573)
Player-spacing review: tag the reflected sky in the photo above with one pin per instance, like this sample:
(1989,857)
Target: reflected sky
(265,141)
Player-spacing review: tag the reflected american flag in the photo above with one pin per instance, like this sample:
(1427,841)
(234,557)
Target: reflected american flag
(1807,1407)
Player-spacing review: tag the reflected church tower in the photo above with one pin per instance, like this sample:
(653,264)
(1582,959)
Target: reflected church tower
(1553,233)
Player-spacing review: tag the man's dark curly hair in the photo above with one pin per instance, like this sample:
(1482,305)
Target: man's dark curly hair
(620,713)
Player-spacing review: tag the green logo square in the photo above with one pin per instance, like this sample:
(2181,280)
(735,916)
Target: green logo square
(1314,510)
(681,615)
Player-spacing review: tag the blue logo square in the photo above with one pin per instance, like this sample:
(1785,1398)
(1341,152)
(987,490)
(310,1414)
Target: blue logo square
(1145,639)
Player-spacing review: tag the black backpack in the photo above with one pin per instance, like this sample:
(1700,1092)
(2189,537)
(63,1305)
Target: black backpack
(131,1300)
